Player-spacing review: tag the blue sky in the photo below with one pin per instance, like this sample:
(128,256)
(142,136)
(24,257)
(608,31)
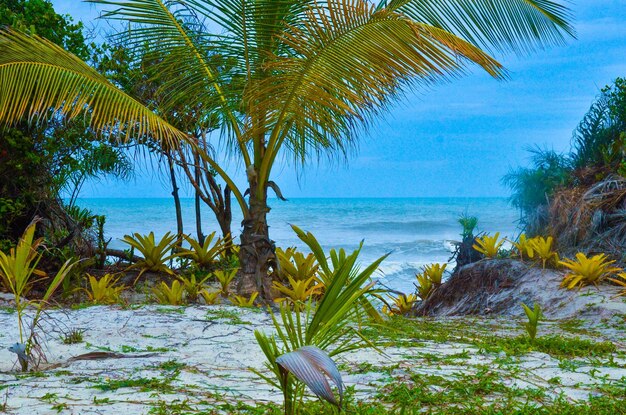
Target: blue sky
(458,139)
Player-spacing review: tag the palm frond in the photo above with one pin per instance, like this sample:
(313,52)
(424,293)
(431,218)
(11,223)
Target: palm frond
(347,63)
(175,34)
(518,26)
(39,77)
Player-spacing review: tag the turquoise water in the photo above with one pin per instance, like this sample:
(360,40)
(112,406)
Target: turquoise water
(415,231)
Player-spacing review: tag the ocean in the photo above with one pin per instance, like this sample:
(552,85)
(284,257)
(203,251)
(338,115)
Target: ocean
(416,231)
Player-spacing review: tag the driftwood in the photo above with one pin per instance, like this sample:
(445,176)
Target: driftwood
(118,253)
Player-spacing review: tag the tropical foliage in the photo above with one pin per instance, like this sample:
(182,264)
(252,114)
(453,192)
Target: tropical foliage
(104,290)
(524,247)
(587,271)
(296,78)
(402,304)
(17,269)
(489,246)
(293,264)
(205,254)
(534,315)
(155,254)
(225,278)
(543,247)
(298,292)
(325,324)
(173,294)
(242,301)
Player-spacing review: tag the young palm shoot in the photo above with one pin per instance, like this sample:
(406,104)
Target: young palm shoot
(534,315)
(326,325)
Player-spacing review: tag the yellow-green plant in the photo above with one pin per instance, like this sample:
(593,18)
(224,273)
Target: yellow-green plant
(434,272)
(297,292)
(324,329)
(543,248)
(243,301)
(104,290)
(293,264)
(192,286)
(489,246)
(155,255)
(586,271)
(620,280)
(424,286)
(16,270)
(534,315)
(210,297)
(205,255)
(225,277)
(524,247)
(169,294)
(402,304)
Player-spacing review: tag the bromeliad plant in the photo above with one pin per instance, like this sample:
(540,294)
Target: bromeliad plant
(489,246)
(402,304)
(205,254)
(169,294)
(104,290)
(434,272)
(534,315)
(424,286)
(225,277)
(294,265)
(17,269)
(155,255)
(524,247)
(621,281)
(301,350)
(298,292)
(242,301)
(543,248)
(192,286)
(587,271)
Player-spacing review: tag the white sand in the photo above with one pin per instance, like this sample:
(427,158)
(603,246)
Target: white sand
(217,355)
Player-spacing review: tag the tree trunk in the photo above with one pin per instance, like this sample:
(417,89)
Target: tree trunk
(197,201)
(179,211)
(256,255)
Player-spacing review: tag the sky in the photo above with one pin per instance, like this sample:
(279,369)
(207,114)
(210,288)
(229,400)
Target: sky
(456,140)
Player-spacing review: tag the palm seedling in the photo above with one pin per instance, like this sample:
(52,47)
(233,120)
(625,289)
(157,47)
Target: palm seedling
(534,315)
(489,246)
(17,269)
(173,294)
(587,271)
(205,254)
(104,290)
(155,255)
(543,248)
(301,351)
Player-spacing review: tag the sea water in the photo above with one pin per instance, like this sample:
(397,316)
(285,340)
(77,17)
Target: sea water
(414,231)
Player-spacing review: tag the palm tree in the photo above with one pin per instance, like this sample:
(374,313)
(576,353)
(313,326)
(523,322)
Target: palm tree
(300,78)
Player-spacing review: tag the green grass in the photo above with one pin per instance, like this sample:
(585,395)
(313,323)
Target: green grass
(143,384)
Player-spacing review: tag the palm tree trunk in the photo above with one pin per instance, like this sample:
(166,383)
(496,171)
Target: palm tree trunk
(256,254)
